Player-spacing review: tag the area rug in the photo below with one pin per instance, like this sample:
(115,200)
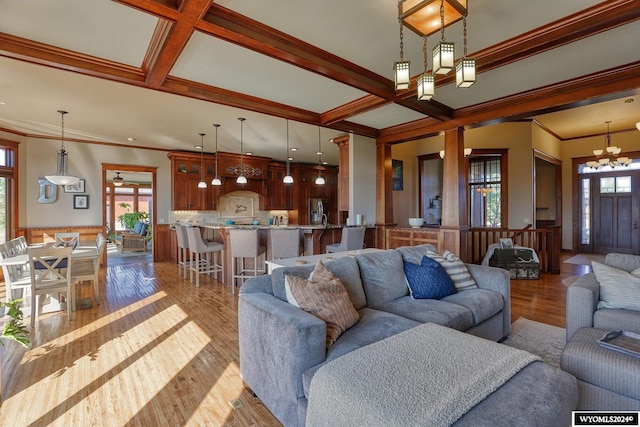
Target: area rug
(585,259)
(538,338)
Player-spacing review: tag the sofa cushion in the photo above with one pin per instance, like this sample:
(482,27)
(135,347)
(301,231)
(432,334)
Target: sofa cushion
(456,269)
(143,229)
(624,262)
(373,326)
(483,303)
(618,288)
(441,312)
(414,254)
(137,227)
(326,299)
(345,268)
(382,276)
(428,280)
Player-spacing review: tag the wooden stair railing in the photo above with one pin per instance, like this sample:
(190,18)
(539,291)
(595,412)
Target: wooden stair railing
(545,241)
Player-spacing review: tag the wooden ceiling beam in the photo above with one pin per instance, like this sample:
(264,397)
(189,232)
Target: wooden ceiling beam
(175,40)
(585,90)
(238,29)
(51,56)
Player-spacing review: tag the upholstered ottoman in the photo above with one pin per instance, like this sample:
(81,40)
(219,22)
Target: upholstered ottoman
(437,376)
(607,379)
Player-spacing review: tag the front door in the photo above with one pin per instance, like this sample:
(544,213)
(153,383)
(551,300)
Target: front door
(616,212)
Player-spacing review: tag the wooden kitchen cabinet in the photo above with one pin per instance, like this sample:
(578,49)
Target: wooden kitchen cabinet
(278,195)
(185,193)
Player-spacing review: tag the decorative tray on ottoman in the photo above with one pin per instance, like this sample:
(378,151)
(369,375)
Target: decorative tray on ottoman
(622,341)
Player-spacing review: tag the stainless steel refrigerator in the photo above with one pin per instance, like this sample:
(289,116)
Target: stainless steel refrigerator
(318,211)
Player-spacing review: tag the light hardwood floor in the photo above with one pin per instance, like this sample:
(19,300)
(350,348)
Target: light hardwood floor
(159,351)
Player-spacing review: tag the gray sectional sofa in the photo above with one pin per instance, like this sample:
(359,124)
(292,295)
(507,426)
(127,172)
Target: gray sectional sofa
(282,346)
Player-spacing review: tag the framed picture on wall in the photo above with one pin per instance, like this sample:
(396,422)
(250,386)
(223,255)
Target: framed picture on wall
(81,201)
(398,183)
(78,187)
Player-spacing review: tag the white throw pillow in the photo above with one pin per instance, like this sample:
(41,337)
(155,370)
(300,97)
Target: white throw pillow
(618,288)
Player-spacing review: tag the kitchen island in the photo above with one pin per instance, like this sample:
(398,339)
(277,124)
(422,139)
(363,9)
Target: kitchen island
(313,238)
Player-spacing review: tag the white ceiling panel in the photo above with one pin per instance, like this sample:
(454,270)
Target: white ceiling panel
(389,115)
(221,64)
(337,26)
(100,27)
(623,113)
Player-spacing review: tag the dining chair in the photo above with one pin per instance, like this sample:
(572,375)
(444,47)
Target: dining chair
(245,243)
(88,269)
(69,239)
(285,243)
(50,270)
(208,256)
(352,239)
(16,276)
(184,254)
(20,245)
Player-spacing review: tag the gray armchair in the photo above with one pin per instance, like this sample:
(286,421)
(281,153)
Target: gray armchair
(583,297)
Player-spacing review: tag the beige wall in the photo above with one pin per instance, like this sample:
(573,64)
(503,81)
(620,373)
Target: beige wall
(405,201)
(514,136)
(38,158)
(362,178)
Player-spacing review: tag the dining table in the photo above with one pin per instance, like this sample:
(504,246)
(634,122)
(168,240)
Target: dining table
(83,250)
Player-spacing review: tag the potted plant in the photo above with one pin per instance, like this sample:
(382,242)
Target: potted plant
(14,329)
(128,219)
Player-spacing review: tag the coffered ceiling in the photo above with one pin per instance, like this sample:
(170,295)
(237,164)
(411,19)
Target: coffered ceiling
(160,72)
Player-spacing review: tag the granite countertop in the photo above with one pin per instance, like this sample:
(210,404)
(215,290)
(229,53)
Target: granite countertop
(262,226)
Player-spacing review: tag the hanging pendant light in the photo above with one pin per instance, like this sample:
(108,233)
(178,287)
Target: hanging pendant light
(216,181)
(118,181)
(288,179)
(62,176)
(426,84)
(444,52)
(466,68)
(402,75)
(241,178)
(319,180)
(202,183)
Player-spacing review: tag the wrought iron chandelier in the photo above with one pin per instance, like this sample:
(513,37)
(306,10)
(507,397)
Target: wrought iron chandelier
(608,156)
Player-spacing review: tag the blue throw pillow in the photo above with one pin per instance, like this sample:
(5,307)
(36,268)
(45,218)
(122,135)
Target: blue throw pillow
(428,280)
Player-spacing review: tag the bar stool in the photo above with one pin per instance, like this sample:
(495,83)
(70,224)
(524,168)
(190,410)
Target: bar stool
(352,239)
(204,262)
(245,244)
(285,243)
(184,257)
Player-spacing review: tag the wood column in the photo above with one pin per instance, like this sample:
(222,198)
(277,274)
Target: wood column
(384,195)
(454,195)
